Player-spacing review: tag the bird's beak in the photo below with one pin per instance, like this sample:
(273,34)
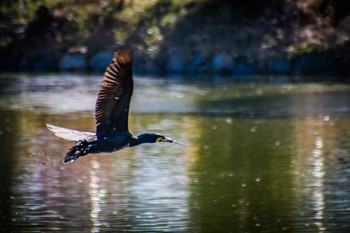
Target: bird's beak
(167,140)
(173,141)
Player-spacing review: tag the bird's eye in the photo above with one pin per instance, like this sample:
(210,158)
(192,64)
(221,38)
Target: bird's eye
(159,139)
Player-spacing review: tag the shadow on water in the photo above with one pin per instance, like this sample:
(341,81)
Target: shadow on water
(244,161)
(261,158)
(285,100)
(273,175)
(267,145)
(8,134)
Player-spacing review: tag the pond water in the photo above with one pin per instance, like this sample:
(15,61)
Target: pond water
(261,157)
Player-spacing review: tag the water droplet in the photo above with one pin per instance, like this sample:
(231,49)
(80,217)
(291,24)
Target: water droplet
(228,120)
(149,31)
(319,143)
(277,143)
(243,185)
(253,129)
(257,179)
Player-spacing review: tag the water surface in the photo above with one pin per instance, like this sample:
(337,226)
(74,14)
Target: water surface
(261,158)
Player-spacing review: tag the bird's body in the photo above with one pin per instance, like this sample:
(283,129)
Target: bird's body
(111,113)
(110,144)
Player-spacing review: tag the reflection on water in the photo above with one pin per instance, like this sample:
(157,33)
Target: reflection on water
(261,158)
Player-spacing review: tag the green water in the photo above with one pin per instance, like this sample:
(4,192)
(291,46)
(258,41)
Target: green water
(260,158)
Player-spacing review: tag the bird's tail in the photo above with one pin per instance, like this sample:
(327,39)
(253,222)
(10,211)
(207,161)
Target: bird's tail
(80,149)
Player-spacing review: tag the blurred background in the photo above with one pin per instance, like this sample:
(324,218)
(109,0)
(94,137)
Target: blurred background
(258,90)
(289,37)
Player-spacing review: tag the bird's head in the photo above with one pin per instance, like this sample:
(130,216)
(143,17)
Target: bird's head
(154,137)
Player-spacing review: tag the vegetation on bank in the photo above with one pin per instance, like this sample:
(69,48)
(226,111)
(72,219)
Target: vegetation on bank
(246,31)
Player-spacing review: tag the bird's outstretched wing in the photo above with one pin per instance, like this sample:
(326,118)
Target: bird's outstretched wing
(113,100)
(70,134)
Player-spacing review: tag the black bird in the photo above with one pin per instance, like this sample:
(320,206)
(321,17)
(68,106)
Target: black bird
(111,113)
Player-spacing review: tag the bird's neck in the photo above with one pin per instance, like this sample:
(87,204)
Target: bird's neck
(135,141)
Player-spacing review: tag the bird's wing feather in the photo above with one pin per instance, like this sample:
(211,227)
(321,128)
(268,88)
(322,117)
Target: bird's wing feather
(70,134)
(113,100)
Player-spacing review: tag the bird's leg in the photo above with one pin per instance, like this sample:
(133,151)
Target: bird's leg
(86,150)
(83,147)
(80,149)
(82,143)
